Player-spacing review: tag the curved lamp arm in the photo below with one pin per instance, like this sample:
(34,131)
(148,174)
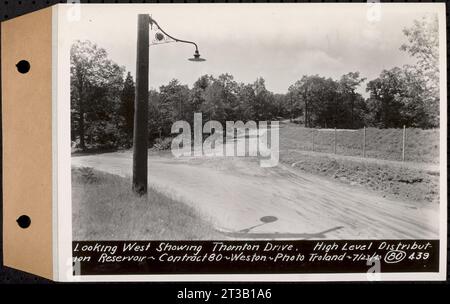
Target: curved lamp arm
(153,21)
(196,54)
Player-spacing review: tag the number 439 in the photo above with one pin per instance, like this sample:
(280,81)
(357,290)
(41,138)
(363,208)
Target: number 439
(419,256)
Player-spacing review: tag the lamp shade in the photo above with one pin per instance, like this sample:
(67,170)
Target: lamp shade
(196,57)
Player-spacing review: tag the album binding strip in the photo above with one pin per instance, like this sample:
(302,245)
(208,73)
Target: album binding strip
(27,143)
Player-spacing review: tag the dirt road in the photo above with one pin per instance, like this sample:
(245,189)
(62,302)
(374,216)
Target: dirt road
(236,193)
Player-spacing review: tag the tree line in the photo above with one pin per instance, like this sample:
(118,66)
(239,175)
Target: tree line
(102,96)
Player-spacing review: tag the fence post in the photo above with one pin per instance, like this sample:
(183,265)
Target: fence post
(313,139)
(403,143)
(335,139)
(364,142)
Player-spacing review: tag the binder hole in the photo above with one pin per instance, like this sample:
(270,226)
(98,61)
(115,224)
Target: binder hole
(24,221)
(23,66)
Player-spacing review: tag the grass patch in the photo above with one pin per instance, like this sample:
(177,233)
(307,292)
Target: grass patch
(105,208)
(399,182)
(421,145)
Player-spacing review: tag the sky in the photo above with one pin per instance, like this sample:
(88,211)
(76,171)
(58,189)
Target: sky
(279,42)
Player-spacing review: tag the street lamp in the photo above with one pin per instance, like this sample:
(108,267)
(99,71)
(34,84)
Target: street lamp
(162,37)
(140,133)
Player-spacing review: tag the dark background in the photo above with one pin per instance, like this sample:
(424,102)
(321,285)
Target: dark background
(13,8)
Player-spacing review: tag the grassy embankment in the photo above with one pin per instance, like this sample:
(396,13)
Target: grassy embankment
(401,182)
(105,208)
(421,145)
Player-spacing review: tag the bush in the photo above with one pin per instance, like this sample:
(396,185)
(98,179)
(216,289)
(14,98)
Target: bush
(162,144)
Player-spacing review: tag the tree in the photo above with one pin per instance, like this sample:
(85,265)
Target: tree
(264,107)
(127,107)
(198,90)
(214,102)
(298,93)
(323,94)
(423,44)
(95,85)
(293,102)
(384,100)
(219,98)
(174,104)
(156,121)
(347,87)
(281,103)
(410,95)
(418,102)
(246,99)
(398,97)
(317,98)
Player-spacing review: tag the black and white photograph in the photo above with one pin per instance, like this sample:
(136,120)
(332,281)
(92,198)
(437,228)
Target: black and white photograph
(256,122)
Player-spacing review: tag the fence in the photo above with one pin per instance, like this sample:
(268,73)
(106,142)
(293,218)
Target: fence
(406,144)
(364,142)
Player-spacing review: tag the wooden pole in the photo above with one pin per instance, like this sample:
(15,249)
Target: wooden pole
(364,142)
(140,135)
(403,143)
(313,139)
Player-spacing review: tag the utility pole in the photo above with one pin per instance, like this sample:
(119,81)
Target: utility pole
(140,135)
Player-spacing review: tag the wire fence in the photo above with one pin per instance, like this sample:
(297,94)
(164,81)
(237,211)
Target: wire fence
(405,144)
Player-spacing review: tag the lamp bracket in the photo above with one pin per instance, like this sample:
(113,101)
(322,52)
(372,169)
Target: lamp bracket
(162,37)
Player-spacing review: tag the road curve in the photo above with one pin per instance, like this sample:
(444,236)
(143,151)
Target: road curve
(236,193)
